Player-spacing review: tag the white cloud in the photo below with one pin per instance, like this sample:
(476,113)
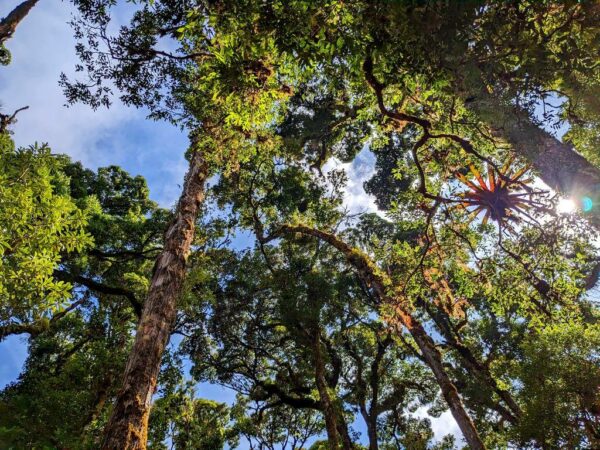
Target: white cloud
(361,169)
(42,48)
(443,425)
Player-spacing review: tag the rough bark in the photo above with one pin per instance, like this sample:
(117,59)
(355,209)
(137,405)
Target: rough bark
(380,283)
(8,25)
(472,364)
(337,431)
(557,163)
(128,424)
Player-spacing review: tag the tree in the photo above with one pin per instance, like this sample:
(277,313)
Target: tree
(277,427)
(270,356)
(504,62)
(41,222)
(466,51)
(482,303)
(190,422)
(573,376)
(76,354)
(8,26)
(479,305)
(63,395)
(229,67)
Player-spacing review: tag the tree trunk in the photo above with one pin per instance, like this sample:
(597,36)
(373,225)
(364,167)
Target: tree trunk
(557,163)
(369,415)
(128,424)
(472,364)
(434,360)
(373,277)
(8,25)
(371,423)
(372,432)
(337,431)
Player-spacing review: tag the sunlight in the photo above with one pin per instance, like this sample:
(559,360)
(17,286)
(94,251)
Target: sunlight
(566,206)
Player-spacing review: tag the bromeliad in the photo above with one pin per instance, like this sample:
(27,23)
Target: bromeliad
(500,197)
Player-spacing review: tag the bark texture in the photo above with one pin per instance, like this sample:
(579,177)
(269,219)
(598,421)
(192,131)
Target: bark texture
(380,284)
(128,425)
(328,409)
(337,429)
(8,25)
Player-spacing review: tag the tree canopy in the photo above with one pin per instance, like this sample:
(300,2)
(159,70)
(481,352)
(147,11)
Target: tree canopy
(468,294)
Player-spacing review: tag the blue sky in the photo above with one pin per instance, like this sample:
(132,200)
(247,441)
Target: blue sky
(41,49)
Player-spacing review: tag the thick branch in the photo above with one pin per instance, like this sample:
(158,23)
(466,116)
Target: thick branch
(295,402)
(39,326)
(101,288)
(23,328)
(399,116)
(472,364)
(8,25)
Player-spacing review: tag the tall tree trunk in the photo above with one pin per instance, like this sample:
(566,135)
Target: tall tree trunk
(337,430)
(371,422)
(128,425)
(472,364)
(373,277)
(8,25)
(557,163)
(369,415)
(433,358)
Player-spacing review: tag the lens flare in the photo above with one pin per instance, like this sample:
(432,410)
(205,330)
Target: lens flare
(587,204)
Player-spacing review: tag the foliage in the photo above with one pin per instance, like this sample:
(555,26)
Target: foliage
(40,223)
(565,355)
(72,372)
(275,94)
(190,422)
(76,354)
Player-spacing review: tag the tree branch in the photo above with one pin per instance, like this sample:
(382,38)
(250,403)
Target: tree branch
(101,288)
(8,25)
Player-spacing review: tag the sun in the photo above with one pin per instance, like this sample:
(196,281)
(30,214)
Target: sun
(566,206)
